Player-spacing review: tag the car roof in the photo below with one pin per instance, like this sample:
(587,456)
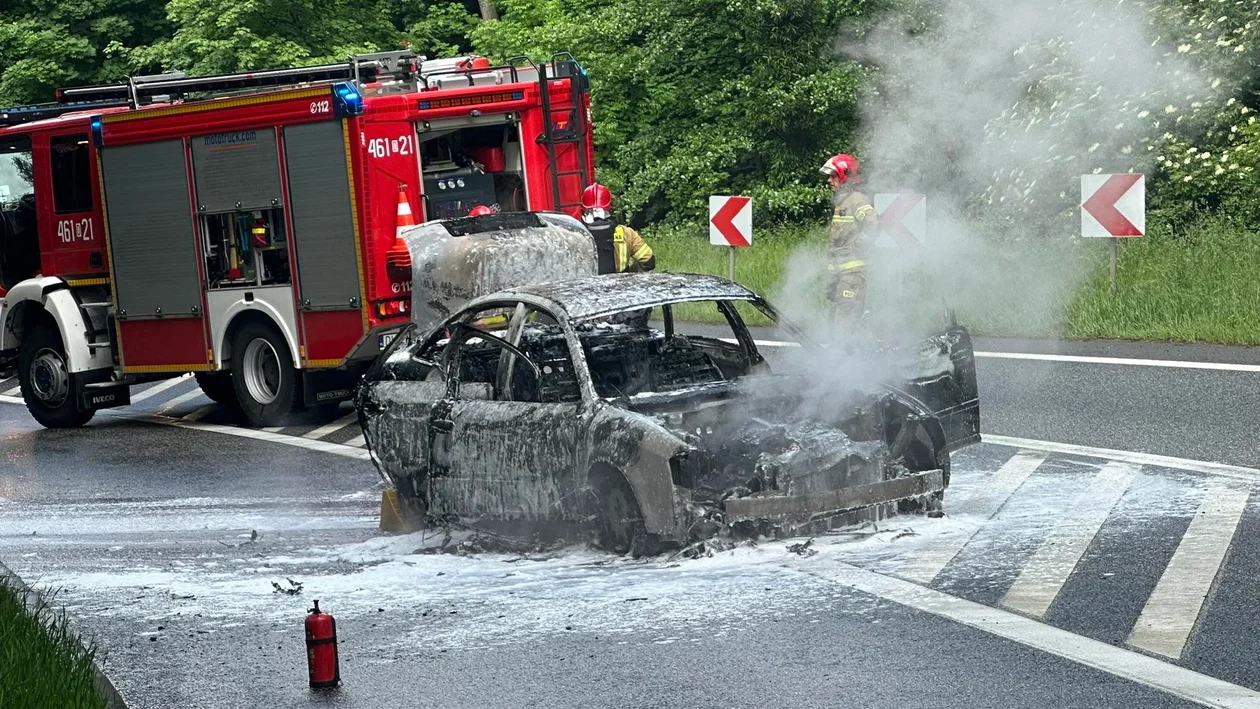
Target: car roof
(595,296)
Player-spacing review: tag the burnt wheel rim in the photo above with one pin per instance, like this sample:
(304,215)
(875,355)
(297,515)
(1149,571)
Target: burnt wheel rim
(50,380)
(261,369)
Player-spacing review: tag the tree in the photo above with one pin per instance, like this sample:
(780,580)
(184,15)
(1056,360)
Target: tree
(46,44)
(695,98)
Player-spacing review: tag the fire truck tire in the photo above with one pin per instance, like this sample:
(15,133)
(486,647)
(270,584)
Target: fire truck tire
(50,391)
(217,386)
(266,384)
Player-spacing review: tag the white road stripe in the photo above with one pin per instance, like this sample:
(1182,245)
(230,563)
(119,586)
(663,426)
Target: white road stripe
(358,441)
(181,399)
(1117,661)
(15,391)
(11,399)
(1080,359)
(160,387)
(1126,361)
(1045,573)
(1237,472)
(1174,606)
(333,427)
(261,435)
(983,503)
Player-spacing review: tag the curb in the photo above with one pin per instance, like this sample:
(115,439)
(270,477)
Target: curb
(105,688)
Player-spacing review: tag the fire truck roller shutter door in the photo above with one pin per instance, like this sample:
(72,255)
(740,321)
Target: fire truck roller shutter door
(153,253)
(237,168)
(323,223)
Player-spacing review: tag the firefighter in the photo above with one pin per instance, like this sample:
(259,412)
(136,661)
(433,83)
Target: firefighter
(620,248)
(849,240)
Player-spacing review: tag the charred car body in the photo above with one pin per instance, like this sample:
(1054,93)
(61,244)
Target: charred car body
(580,405)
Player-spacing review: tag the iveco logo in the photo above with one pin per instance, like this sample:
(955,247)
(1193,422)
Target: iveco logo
(103,399)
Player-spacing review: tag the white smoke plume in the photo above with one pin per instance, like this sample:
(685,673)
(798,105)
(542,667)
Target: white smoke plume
(994,109)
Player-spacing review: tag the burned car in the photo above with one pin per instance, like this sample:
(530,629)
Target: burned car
(602,405)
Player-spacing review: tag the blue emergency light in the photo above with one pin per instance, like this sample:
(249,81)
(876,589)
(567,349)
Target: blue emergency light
(98,137)
(347,101)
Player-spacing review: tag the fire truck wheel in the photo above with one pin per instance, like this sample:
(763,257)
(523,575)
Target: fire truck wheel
(50,392)
(263,375)
(217,386)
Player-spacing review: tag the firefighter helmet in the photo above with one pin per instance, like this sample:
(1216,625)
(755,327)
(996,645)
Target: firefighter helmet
(843,166)
(480,210)
(597,196)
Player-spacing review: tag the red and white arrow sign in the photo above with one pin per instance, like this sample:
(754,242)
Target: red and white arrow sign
(1113,205)
(730,221)
(903,217)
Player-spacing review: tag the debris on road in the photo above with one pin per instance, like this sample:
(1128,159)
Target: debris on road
(295,587)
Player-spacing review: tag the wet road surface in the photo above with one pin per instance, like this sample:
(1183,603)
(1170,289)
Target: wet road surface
(146,530)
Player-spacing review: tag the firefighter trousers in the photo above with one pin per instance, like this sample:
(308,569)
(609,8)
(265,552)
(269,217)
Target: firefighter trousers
(846,293)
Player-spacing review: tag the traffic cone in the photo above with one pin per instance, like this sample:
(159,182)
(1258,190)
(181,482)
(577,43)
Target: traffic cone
(398,258)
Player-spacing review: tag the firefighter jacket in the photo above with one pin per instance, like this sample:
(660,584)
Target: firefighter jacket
(852,231)
(620,248)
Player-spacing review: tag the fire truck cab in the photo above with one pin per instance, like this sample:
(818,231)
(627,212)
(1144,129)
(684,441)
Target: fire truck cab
(240,227)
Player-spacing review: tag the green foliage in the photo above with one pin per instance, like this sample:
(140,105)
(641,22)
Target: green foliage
(46,44)
(703,97)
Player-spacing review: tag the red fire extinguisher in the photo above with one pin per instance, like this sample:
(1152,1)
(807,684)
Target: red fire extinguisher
(321,649)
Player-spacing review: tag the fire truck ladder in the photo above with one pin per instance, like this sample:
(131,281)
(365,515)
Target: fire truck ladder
(139,90)
(571,127)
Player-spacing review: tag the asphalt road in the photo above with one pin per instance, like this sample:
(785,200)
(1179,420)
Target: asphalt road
(146,529)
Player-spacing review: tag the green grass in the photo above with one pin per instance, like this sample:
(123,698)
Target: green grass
(41,664)
(1199,285)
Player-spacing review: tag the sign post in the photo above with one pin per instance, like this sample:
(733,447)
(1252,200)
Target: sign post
(730,224)
(1113,206)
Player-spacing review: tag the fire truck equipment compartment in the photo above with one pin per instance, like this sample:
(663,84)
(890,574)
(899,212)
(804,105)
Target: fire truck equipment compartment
(319,187)
(237,170)
(154,256)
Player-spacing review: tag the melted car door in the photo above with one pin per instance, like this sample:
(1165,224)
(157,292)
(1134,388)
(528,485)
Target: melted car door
(946,383)
(499,453)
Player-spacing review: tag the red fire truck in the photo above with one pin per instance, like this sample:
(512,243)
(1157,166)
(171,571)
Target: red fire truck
(240,226)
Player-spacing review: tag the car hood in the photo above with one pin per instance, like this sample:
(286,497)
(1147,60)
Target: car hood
(772,432)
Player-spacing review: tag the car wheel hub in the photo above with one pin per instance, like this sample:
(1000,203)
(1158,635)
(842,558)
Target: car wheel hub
(262,371)
(50,381)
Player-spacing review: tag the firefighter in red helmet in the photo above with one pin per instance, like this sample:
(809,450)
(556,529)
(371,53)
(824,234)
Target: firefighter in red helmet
(619,247)
(849,240)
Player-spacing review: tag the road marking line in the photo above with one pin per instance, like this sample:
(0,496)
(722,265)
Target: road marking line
(181,399)
(1127,361)
(201,413)
(261,435)
(983,503)
(1237,472)
(11,399)
(1042,578)
(1080,359)
(160,387)
(1098,655)
(334,426)
(15,391)
(358,441)
(1174,606)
